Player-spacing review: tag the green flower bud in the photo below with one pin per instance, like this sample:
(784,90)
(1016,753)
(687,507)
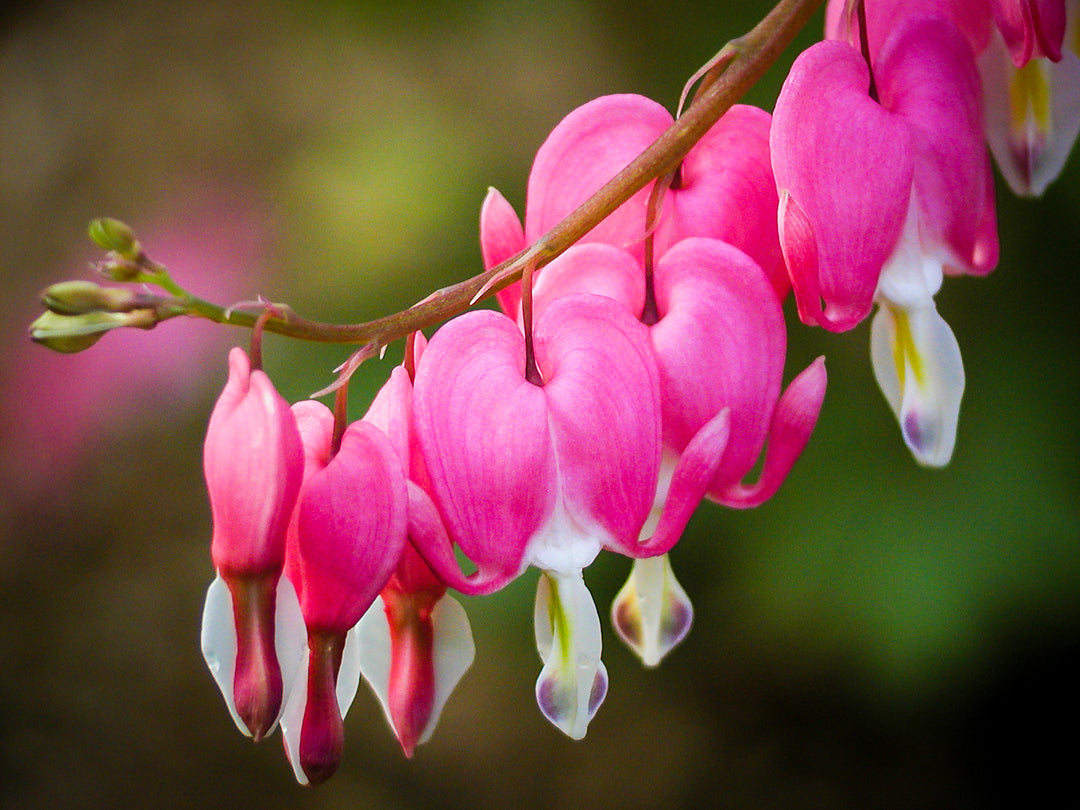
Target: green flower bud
(80,297)
(114,235)
(74,333)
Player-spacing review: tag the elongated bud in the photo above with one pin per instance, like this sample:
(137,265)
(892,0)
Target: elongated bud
(69,334)
(81,297)
(114,235)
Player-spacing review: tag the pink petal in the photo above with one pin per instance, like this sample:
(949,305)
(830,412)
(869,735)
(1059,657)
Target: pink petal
(585,150)
(315,423)
(697,467)
(603,399)
(484,434)
(726,191)
(501,238)
(1031,28)
(720,342)
(428,535)
(592,267)
(792,423)
(972,17)
(843,166)
(351,529)
(927,77)
(252,463)
(391,412)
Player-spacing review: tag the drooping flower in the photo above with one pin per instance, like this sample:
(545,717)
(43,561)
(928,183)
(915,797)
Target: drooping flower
(720,343)
(723,189)
(253,462)
(415,642)
(882,197)
(549,474)
(347,537)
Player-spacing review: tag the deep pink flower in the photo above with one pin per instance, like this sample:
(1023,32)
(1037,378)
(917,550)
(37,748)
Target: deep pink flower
(415,643)
(724,187)
(548,475)
(879,199)
(349,530)
(252,459)
(720,343)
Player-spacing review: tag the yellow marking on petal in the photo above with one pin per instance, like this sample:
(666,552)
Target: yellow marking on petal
(1029,97)
(560,624)
(905,353)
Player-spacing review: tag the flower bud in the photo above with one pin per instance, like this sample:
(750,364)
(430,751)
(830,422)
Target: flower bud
(81,297)
(114,235)
(69,334)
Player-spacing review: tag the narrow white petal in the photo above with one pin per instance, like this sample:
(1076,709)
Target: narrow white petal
(373,632)
(652,612)
(290,638)
(218,641)
(292,719)
(573,681)
(454,654)
(348,680)
(918,366)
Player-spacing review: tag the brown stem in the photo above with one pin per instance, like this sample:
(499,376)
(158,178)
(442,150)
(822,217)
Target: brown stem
(651,314)
(255,350)
(864,45)
(532,371)
(341,418)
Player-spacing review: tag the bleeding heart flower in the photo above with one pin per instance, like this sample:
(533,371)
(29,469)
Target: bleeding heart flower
(253,463)
(720,343)
(881,197)
(416,643)
(347,538)
(549,474)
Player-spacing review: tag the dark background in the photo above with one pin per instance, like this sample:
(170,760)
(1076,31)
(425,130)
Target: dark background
(877,636)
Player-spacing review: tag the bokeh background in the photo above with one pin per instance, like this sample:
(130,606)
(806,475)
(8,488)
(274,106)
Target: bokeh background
(877,636)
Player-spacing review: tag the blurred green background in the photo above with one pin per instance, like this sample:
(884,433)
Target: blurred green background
(877,636)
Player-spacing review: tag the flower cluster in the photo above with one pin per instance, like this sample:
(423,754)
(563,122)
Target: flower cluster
(627,377)
(636,374)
